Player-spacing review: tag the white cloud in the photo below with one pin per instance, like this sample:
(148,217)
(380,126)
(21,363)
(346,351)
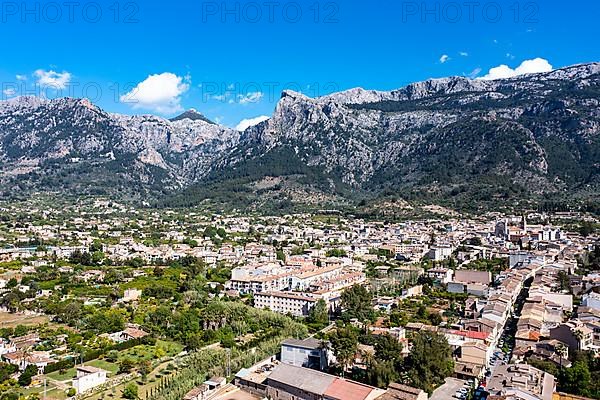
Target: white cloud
(232,98)
(252,97)
(527,67)
(444,58)
(464,54)
(160,93)
(10,92)
(475,73)
(21,77)
(247,123)
(52,79)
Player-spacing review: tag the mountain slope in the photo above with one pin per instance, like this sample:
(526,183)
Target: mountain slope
(70,144)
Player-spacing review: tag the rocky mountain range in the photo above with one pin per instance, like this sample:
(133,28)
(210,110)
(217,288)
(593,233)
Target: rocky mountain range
(452,139)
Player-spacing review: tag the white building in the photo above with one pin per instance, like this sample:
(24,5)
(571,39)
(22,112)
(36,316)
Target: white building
(444,275)
(88,378)
(439,253)
(308,353)
(258,278)
(131,295)
(591,300)
(296,304)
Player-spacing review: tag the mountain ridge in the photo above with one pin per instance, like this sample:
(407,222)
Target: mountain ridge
(448,138)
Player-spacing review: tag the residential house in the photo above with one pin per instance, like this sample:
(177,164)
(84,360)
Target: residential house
(440,274)
(575,334)
(22,359)
(88,378)
(127,334)
(310,353)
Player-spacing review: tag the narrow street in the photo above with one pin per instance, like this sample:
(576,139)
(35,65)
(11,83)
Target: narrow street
(506,343)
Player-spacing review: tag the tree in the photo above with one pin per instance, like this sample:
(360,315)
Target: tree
(158,272)
(388,348)
(95,246)
(475,241)
(144,368)
(280,255)
(586,228)
(25,377)
(562,352)
(112,356)
(563,280)
(130,392)
(430,361)
(136,262)
(398,318)
(575,380)
(69,313)
(113,276)
(192,266)
(111,320)
(422,313)
(435,318)
(381,373)
(345,344)
(126,365)
(11,301)
(6,370)
(319,314)
(336,253)
(21,330)
(356,303)
(79,257)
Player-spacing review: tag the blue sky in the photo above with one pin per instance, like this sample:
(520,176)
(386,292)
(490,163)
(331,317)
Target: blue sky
(231,60)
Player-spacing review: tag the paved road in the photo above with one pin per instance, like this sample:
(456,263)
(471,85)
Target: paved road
(447,390)
(510,329)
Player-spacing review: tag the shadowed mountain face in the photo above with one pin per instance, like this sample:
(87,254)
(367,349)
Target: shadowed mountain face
(447,138)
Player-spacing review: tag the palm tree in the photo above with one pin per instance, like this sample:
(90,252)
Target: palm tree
(579,336)
(561,350)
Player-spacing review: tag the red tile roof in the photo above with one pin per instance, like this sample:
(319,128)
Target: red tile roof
(472,334)
(346,390)
(135,333)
